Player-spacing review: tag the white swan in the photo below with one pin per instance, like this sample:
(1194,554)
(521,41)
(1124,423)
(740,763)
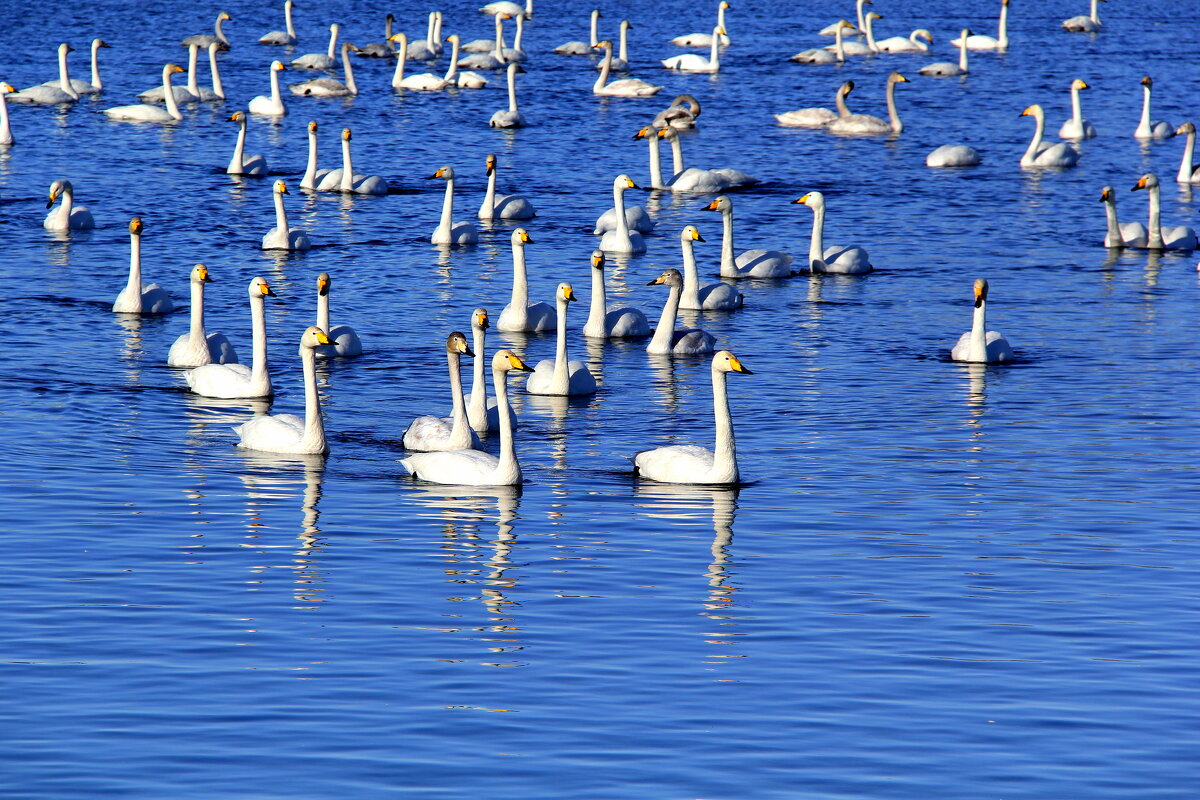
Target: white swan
(482,413)
(1188,173)
(6,135)
(667,340)
(270,106)
(326,60)
(818,116)
(706,39)
(945,69)
(330,87)
(906,44)
(515,53)
(850,30)
(1120,234)
(1077,127)
(138,297)
(865,123)
(636,218)
(288,433)
(382,49)
(689,463)
(351,182)
(561,377)
(311,174)
(953,155)
(506,206)
(198,347)
(218,89)
(1146,128)
(343,340)
(510,8)
(431,45)
(997,42)
(473,467)
(626,87)
(68,216)
(520,314)
(694,179)
(424,81)
(447,231)
(511,118)
(682,113)
(238,380)
(281,237)
(148,113)
(183,94)
(285,37)
(1084,24)
(494,59)
(840,259)
(752,263)
(1040,154)
(980,345)
(82,87)
(431,432)
(822,55)
(620,62)
(240,164)
(611,322)
(621,239)
(690,62)
(582,48)
(656,180)
(54,92)
(858,48)
(1160,237)
(218,35)
(715,296)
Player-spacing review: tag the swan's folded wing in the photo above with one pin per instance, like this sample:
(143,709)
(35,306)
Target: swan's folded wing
(681,463)
(273,433)
(464,467)
(428,433)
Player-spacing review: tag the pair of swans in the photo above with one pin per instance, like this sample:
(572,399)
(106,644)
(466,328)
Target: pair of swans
(326,60)
(839,259)
(427,81)
(288,433)
(431,46)
(611,322)
(430,432)
(51,92)
(233,380)
(690,62)
(667,340)
(506,206)
(147,113)
(138,297)
(270,106)
(705,39)
(68,216)
(193,92)
(512,117)
(330,87)
(1042,154)
(686,463)
(620,62)
(282,237)
(979,345)
(217,36)
(626,87)
(560,377)
(946,69)
(621,237)
(1147,128)
(520,314)
(1120,234)
(240,163)
(448,231)
(344,180)
(343,340)
(197,347)
(998,42)
(751,263)
(1158,236)
(1084,24)
(284,37)
(694,297)
(865,123)
(826,55)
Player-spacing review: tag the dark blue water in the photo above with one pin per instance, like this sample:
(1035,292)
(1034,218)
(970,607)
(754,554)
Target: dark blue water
(941,580)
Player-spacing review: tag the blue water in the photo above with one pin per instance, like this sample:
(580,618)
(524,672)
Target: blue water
(940,581)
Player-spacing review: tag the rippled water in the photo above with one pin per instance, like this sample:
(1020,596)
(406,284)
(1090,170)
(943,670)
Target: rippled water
(940,581)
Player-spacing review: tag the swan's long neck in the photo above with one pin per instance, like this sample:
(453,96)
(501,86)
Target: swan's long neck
(6,136)
(133,289)
(691,278)
(460,428)
(350,84)
(512,92)
(193,81)
(605,68)
(447,206)
(68,203)
(323,311)
(656,181)
(196,332)
(281,220)
(839,100)
(519,304)
(287,17)
(1039,130)
(217,87)
(962,52)
(1155,241)
(309,181)
(977,349)
(593,39)
(276,97)
(893,115)
(220,33)
(96,82)
(677,154)
(314,426)
(1113,237)
(452,70)
(1002,33)
(1095,11)
(816,248)
(520,34)
(498,42)
(1143,128)
(347,167)
(430,24)
(478,402)
(236,163)
(1076,109)
(622,224)
(64,78)
(561,380)
(874,48)
(1185,166)
(728,267)
(724,468)
(713,57)
(489,199)
(169,96)
(598,309)
(839,49)
(258,334)
(625,43)
(401,57)
(436,43)
(721,15)
(333,37)
(858,8)
(507,469)
(665,332)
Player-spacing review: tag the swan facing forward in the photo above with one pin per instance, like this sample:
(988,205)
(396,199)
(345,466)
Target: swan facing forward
(1077,127)
(504,206)
(561,377)
(1147,128)
(241,164)
(281,237)
(344,340)
(620,239)
(448,231)
(138,297)
(288,433)
(752,263)
(238,380)
(980,345)
(611,322)
(667,340)
(270,106)
(1160,237)
(1040,154)
(519,314)
(68,216)
(1120,234)
(846,260)
(713,297)
(197,347)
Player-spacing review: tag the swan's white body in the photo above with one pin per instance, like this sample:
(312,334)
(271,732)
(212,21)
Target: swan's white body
(1120,234)
(953,155)
(636,218)
(690,62)
(1041,154)
(611,322)
(714,296)
(1077,127)
(343,340)
(511,118)
(288,433)
(980,345)
(669,341)
(238,380)
(1147,128)
(706,39)
(68,216)
(508,7)
(906,44)
(148,113)
(430,432)
(1084,24)
(694,179)
(1188,173)
(330,87)
(823,55)
(519,314)
(582,48)
(447,231)
(840,259)
(627,87)
(281,237)
(241,164)
(138,297)
(507,206)
(492,59)
(865,123)
(621,239)
(751,263)
(818,116)
(560,377)
(53,92)
(482,413)
(218,35)
(424,81)
(945,69)
(312,175)
(351,182)
(686,463)
(1158,236)
(197,347)
(285,37)
(997,42)
(326,60)
(270,106)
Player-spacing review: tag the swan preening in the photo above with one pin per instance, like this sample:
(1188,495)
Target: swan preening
(482,413)
(270,106)
(519,314)
(238,380)
(997,42)
(751,263)
(848,259)
(1120,234)
(326,60)
(714,296)
(818,116)
(285,37)
(138,297)
(953,155)
(1041,154)
(343,340)
(505,206)
(430,432)
(582,48)
(330,87)
(1084,24)
(512,117)
(197,347)
(667,340)
(627,87)
(1147,128)
(53,92)
(1188,173)
(689,463)
(865,123)
(448,231)
(694,179)
(690,62)
(942,69)
(241,164)
(144,112)
(706,39)
(611,322)
(682,113)
(281,237)
(288,433)
(561,377)
(218,35)
(1077,127)
(621,238)
(980,345)
(1158,237)
(68,216)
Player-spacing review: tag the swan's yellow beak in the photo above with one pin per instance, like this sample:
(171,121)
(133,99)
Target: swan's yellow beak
(657,280)
(312,127)
(525,238)
(7,87)
(1026,112)
(281,187)
(696,237)
(266,290)
(1082,84)
(515,362)
(53,197)
(202,273)
(711,206)
(1141,184)
(438,174)
(346,134)
(662,133)
(491,164)
(901,79)
(176,69)
(569,294)
(629,182)
(1105,196)
(803,200)
(643,133)
(322,286)
(135,225)
(598,260)
(322,337)
(481,319)
(736,365)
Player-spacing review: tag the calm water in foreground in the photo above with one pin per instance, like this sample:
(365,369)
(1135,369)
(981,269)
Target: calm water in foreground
(940,581)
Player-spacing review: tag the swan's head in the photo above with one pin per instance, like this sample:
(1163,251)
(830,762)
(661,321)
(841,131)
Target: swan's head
(507,361)
(479,318)
(491,163)
(224,17)
(65,48)
(725,361)
(565,293)
(671,277)
(963,37)
(896,77)
(626,25)
(346,134)
(277,66)
(521,237)
(846,88)
(135,226)
(312,127)
(1186,127)
(1148,82)
(58,188)
(446,172)
(595,13)
(280,187)
(334,28)
(240,116)
(623,181)
(1078,84)
(313,337)
(172,69)
(456,343)
(719,31)
(199,273)
(923,33)
(5,88)
(390,18)
(347,47)
(96,43)
(259,288)
(813,200)
(400,38)
(870,15)
(980,292)
(724,4)
(598,259)
(668,133)
(1147,181)
(1107,195)
(690,234)
(323,284)
(722,204)
(453,38)
(605,44)
(1034,111)
(645,132)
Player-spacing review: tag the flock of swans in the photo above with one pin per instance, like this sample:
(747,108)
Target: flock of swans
(449,449)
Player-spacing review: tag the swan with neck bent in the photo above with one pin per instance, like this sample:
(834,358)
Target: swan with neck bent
(997,42)
(858,48)
(682,113)
(611,322)
(907,44)
(751,263)
(667,340)
(53,92)
(511,118)
(694,179)
(343,340)
(1158,236)
(138,297)
(218,35)
(690,62)
(326,60)
(286,37)
(706,39)
(979,345)
(482,413)
(6,136)
(865,123)
(197,347)
(241,164)
(330,87)
(818,116)
(1041,154)
(714,296)
(621,239)
(560,377)
(507,206)
(281,237)
(347,181)
(689,463)
(288,433)
(68,216)
(582,48)
(148,113)
(448,231)
(270,106)
(238,380)
(1188,173)
(1120,234)
(430,432)
(82,87)
(519,314)
(626,87)
(839,259)
(823,55)
(473,467)
(1148,129)
(1084,24)
(1077,127)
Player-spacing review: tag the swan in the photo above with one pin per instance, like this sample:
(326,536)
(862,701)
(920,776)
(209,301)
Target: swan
(621,239)
(1120,234)
(611,322)
(682,113)
(998,42)
(68,216)
(200,93)
(689,463)
(281,237)
(240,164)
(706,39)
(636,218)
(482,413)
(196,347)
(626,87)
(844,260)
(6,136)
(431,45)
(850,30)
(287,37)
(857,48)
(473,467)
(183,94)
(560,377)
(218,90)
(326,60)
(384,49)
(448,232)
(865,123)
(430,432)
(822,55)
(510,8)
(582,48)
(138,297)
(1040,154)
(205,39)
(1173,237)
(975,345)
(81,87)
(351,182)
(493,59)
(1077,127)
(1187,172)
(1147,129)
(752,263)
(818,116)
(311,174)
(906,44)
(343,340)
(511,118)
(690,62)
(520,314)
(667,340)
(288,433)
(515,53)
(506,206)
(945,69)
(1082,24)
(427,81)
(693,179)
(656,180)
(238,380)
(953,155)
(715,296)
(620,62)
(330,87)
(270,106)
(54,92)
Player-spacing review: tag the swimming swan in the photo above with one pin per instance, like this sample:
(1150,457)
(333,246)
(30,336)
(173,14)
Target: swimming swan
(865,123)
(621,239)
(667,340)
(281,237)
(197,347)
(138,297)
(507,206)
(241,164)
(944,69)
(1120,234)
(82,87)
(482,413)
(823,55)
(906,44)
(431,45)
(682,113)
(818,116)
(288,433)
(287,37)
(980,345)
(519,314)
(511,118)
(840,259)
(706,39)
(312,175)
(690,62)
(6,136)
(1084,24)
(183,94)
(582,48)
(1147,129)
(626,87)
(1172,237)
(858,48)
(752,263)
(694,179)
(997,42)
(238,380)
(430,432)
(330,87)
(560,377)
(1040,154)
(713,297)
(636,218)
(352,182)
(53,92)
(447,231)
(68,216)
(148,113)
(953,155)
(205,39)
(620,62)
(382,49)
(1187,172)
(849,29)
(343,340)
(326,60)
(270,106)
(611,322)
(1077,127)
